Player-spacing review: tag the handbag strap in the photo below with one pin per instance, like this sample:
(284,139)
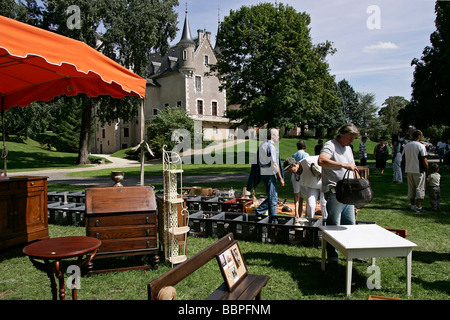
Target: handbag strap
(347,173)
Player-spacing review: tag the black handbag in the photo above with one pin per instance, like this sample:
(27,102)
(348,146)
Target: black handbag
(354,191)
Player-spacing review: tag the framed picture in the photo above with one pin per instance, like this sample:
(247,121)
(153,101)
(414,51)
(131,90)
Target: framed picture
(232,265)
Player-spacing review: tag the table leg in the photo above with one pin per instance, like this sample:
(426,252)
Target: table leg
(60,275)
(348,285)
(50,274)
(324,248)
(408,272)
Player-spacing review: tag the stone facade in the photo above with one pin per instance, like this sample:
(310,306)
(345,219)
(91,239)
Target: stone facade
(177,79)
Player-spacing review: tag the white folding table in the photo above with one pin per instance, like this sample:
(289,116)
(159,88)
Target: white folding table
(366,241)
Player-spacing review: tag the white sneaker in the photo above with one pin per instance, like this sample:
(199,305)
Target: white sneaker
(413,208)
(420,209)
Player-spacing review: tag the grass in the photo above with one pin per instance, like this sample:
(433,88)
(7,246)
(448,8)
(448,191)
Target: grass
(294,271)
(30,156)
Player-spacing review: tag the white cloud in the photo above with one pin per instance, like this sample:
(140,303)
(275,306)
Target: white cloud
(381,46)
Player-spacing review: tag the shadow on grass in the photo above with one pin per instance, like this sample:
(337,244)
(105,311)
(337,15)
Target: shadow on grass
(306,271)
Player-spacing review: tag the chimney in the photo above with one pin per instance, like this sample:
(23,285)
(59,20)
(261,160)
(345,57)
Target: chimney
(200,35)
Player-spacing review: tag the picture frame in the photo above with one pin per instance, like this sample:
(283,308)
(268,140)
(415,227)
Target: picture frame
(232,265)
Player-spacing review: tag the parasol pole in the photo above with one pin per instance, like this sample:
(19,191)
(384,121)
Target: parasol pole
(4,151)
(142,120)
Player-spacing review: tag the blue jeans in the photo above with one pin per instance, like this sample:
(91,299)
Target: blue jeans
(270,203)
(338,214)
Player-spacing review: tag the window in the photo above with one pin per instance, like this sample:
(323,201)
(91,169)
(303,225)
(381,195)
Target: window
(198,83)
(179,104)
(199,106)
(184,54)
(214,108)
(206,60)
(214,129)
(155,111)
(103,133)
(126,132)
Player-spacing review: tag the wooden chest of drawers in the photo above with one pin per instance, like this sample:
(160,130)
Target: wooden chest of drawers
(125,220)
(23,210)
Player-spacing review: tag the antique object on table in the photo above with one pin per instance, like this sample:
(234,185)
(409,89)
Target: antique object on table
(57,249)
(117,177)
(124,219)
(174,234)
(23,210)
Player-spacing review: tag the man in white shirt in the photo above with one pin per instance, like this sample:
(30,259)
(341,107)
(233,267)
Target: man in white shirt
(416,167)
(271,171)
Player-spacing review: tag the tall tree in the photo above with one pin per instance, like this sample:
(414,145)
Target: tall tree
(430,88)
(269,66)
(390,111)
(350,103)
(367,111)
(125,30)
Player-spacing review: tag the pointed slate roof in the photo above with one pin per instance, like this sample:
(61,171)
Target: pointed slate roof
(186,36)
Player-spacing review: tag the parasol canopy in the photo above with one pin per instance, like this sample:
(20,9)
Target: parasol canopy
(39,65)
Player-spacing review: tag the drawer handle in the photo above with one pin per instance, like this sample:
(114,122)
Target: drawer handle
(97,235)
(147,220)
(97,223)
(148,244)
(147,232)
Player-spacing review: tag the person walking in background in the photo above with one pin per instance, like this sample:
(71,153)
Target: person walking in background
(381,153)
(397,164)
(270,170)
(363,151)
(434,184)
(335,159)
(318,147)
(416,168)
(441,149)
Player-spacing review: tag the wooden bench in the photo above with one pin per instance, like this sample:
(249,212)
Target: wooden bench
(248,288)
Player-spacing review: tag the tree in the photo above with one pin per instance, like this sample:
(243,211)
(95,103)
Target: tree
(268,66)
(367,111)
(124,30)
(161,129)
(430,88)
(350,103)
(389,113)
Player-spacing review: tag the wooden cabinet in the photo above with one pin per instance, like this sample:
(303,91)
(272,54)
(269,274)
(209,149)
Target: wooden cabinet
(125,220)
(23,210)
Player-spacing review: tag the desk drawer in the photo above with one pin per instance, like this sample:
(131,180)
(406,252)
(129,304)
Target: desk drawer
(116,245)
(122,232)
(120,220)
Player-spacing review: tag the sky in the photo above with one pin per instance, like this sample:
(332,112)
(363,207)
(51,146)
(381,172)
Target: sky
(376,40)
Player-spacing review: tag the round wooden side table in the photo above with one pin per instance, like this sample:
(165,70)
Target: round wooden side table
(57,249)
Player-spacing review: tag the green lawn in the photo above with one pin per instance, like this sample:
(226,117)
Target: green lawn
(294,271)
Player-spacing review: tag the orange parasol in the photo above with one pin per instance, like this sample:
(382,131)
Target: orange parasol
(38,65)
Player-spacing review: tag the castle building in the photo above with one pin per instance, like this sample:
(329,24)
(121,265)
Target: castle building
(177,79)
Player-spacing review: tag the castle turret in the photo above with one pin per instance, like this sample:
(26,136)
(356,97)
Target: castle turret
(187,48)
